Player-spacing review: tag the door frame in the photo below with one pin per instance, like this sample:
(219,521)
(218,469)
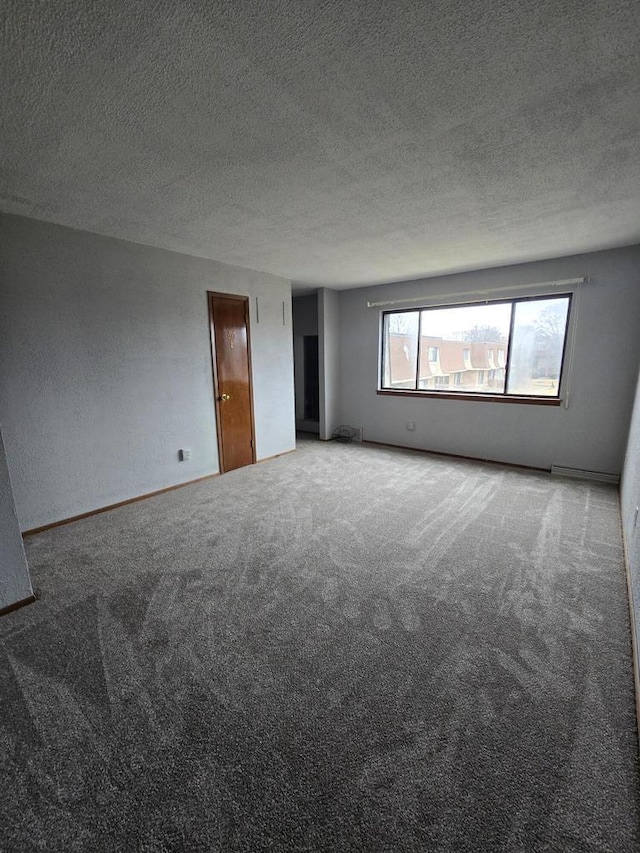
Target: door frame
(211,294)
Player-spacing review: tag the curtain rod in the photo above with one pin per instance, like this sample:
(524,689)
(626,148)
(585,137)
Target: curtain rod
(565,282)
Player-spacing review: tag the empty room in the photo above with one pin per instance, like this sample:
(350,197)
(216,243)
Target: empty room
(319,426)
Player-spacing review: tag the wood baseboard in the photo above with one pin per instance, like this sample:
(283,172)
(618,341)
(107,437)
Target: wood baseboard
(4,611)
(32,531)
(276,455)
(456,456)
(635,652)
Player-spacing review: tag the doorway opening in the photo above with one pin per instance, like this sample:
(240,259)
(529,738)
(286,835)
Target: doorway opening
(311,379)
(306,362)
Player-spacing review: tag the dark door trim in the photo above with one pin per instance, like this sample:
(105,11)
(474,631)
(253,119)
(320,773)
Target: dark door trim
(211,294)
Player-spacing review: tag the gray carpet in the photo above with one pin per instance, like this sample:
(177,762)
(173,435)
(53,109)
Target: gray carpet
(347,648)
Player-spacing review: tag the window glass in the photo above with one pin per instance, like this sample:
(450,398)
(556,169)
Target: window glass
(400,348)
(467,349)
(466,339)
(537,344)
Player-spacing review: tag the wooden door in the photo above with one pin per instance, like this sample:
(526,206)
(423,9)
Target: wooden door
(231,355)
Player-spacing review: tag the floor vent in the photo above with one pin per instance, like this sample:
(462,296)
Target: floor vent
(581,474)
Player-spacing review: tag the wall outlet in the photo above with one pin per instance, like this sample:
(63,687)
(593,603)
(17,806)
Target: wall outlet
(411,425)
(184,455)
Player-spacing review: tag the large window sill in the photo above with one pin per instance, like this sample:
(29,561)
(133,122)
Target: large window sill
(482,398)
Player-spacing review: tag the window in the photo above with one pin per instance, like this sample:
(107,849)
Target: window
(506,348)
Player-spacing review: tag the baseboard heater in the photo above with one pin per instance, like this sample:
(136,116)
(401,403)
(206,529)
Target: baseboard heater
(582,474)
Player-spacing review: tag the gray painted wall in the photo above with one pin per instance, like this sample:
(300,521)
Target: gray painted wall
(630,499)
(590,434)
(15,584)
(329,358)
(305,322)
(105,366)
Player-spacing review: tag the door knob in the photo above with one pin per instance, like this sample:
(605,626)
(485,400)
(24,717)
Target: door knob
(224,397)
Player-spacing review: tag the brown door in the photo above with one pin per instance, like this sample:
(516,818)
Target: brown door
(230,342)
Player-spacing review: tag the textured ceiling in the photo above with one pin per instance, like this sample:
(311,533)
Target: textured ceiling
(327,141)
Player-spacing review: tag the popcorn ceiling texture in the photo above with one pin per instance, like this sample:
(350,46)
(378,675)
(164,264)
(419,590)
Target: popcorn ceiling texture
(330,143)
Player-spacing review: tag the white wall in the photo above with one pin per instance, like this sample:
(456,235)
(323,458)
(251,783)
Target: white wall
(305,322)
(590,434)
(15,584)
(630,500)
(329,359)
(105,366)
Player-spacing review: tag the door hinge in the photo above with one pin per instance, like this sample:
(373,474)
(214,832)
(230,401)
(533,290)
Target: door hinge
(251,443)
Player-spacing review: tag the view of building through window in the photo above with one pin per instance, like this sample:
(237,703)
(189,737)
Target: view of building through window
(513,347)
